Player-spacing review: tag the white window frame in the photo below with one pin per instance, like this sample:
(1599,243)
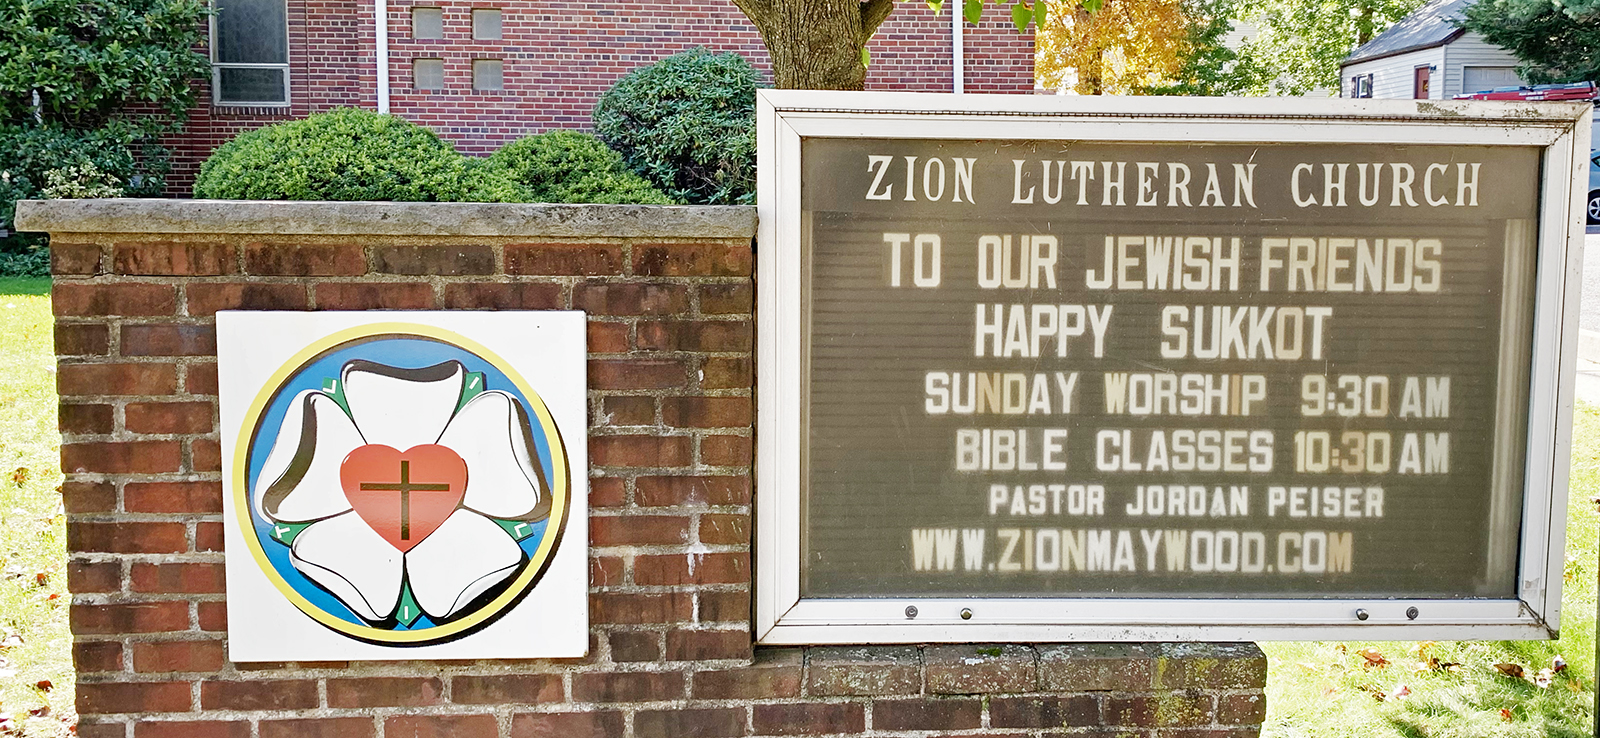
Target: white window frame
(783,118)
(217,66)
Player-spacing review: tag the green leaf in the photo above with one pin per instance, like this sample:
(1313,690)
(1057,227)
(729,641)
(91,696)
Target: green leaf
(1093,6)
(1039,14)
(937,6)
(1021,15)
(866,57)
(973,10)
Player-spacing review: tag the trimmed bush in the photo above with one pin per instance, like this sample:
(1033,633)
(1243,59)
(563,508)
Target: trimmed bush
(687,124)
(349,154)
(567,166)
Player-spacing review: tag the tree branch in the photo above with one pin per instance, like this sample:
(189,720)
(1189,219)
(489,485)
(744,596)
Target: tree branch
(873,13)
(759,11)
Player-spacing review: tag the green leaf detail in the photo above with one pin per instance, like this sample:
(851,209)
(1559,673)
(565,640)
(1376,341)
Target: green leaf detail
(937,6)
(1093,6)
(335,389)
(471,387)
(1039,13)
(518,529)
(408,610)
(285,533)
(866,57)
(1021,15)
(973,10)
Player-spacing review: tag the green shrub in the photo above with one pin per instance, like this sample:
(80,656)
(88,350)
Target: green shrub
(567,166)
(349,154)
(687,123)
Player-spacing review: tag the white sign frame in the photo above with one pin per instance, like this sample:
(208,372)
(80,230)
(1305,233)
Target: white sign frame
(783,118)
(544,353)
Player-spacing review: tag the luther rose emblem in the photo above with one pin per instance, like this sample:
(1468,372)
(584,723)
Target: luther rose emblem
(401,488)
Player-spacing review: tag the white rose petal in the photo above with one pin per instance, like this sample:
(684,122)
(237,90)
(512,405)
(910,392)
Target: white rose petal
(488,434)
(350,559)
(300,479)
(402,408)
(466,556)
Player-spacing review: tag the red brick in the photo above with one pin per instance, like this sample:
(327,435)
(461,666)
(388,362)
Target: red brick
(708,645)
(168,339)
(951,714)
(975,669)
(1242,709)
(706,568)
(206,454)
(506,689)
(374,296)
(201,379)
(177,259)
(207,298)
(385,692)
(85,419)
(637,530)
(207,536)
(711,336)
(351,727)
(84,577)
(606,724)
(81,339)
(714,490)
(89,727)
(1169,709)
(727,299)
(706,412)
(627,686)
(691,260)
(122,457)
(441,726)
(68,298)
(177,578)
(635,645)
(192,729)
(168,417)
(89,497)
(637,609)
(643,374)
(503,296)
(75,258)
(705,722)
(94,656)
(136,617)
(607,492)
(768,678)
(807,718)
(605,571)
(437,261)
(732,530)
(727,451)
(639,451)
(213,616)
(563,259)
(607,338)
(726,373)
(146,697)
(127,537)
(305,260)
(117,379)
(171,656)
(724,607)
(631,298)
(172,497)
(299,694)
(624,411)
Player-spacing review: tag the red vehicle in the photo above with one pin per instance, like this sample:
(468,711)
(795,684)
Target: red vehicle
(1567,92)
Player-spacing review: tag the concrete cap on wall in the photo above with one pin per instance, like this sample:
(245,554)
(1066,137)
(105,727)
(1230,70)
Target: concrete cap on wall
(385,218)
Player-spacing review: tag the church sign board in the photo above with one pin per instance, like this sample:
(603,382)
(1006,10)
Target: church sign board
(1149,369)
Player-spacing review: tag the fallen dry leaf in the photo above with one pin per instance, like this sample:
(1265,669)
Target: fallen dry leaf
(1401,692)
(11,641)
(20,475)
(1558,665)
(40,712)
(1374,657)
(1542,679)
(43,685)
(42,578)
(1511,670)
(1506,715)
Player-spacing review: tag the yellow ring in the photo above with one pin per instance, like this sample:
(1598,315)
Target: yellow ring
(536,563)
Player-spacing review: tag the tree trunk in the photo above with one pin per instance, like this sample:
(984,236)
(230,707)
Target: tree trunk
(816,44)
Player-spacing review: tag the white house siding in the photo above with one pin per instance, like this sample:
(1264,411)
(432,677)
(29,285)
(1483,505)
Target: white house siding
(1392,75)
(1471,51)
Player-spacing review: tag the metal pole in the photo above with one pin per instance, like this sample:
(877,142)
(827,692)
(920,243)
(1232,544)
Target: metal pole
(957,48)
(380,11)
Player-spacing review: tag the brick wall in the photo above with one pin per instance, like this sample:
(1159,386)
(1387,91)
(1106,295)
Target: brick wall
(670,424)
(559,57)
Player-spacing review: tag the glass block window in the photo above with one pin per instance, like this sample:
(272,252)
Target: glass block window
(427,74)
(486,24)
(488,74)
(427,23)
(250,52)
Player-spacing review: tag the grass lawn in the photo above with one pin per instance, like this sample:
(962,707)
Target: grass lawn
(35,646)
(1315,690)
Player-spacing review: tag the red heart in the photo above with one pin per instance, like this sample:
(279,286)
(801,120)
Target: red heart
(405,497)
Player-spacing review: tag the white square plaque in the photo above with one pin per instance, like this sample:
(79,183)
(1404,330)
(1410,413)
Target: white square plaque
(404,485)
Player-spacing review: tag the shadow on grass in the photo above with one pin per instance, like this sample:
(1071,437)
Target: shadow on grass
(24,285)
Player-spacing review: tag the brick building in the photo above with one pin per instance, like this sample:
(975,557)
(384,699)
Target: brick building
(485,72)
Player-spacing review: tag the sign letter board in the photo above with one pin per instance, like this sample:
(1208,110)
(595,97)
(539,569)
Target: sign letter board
(1055,369)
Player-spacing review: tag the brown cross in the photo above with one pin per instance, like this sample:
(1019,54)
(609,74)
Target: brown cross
(405,488)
